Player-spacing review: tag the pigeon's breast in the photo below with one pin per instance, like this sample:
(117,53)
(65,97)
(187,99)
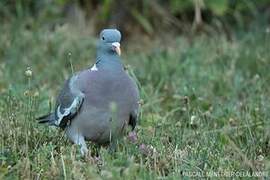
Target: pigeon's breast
(103,88)
(109,100)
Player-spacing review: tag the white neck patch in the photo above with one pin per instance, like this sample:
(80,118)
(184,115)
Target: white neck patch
(94,68)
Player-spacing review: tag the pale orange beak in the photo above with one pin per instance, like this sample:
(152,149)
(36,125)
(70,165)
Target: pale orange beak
(116,48)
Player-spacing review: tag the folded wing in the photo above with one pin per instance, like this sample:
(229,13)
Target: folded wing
(68,105)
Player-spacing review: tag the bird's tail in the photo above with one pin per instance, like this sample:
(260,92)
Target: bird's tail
(49,119)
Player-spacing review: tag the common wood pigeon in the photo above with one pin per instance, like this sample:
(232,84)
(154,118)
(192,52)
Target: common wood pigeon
(98,103)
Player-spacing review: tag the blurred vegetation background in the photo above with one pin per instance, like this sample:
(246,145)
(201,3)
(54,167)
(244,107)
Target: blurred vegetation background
(147,16)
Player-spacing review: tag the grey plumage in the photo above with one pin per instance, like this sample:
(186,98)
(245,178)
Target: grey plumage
(97,104)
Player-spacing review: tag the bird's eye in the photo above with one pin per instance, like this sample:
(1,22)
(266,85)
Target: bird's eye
(103,38)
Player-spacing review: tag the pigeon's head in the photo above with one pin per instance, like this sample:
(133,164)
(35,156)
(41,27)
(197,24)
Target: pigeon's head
(109,42)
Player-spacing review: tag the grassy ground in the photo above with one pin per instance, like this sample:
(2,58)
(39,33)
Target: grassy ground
(206,106)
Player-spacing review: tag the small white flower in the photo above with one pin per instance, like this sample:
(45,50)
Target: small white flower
(28,72)
(36,94)
(192,120)
(26,93)
(260,158)
(267,30)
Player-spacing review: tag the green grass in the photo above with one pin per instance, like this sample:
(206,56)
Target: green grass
(206,106)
